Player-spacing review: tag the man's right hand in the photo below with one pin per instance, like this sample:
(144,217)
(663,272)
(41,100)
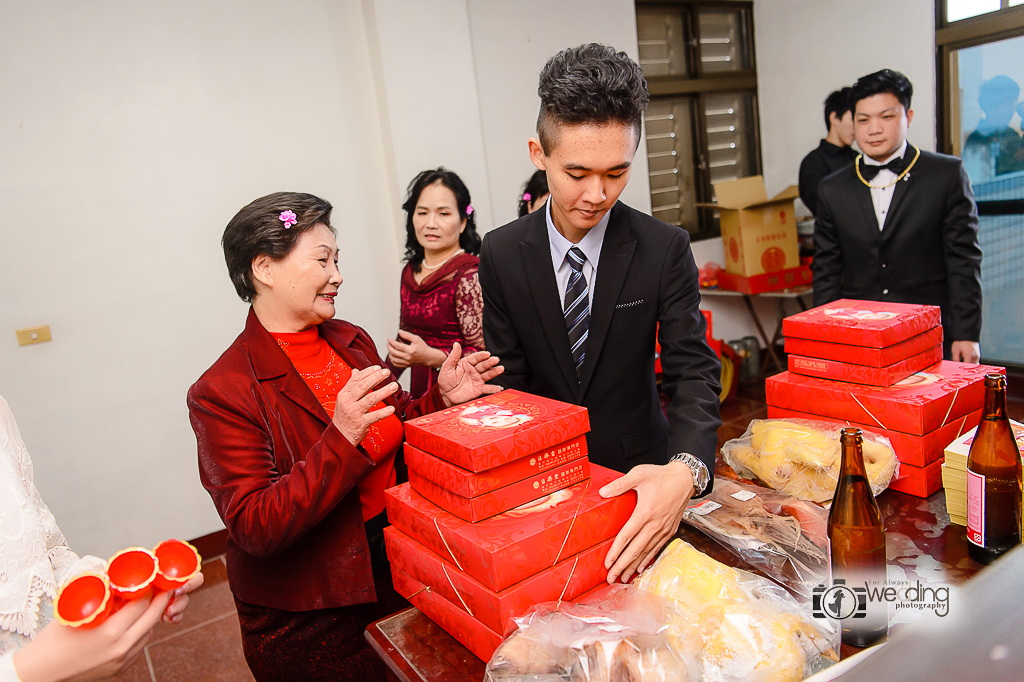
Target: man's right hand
(966,351)
(352,413)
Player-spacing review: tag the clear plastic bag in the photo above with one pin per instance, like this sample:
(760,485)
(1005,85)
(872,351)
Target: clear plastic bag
(626,635)
(782,536)
(801,457)
(751,629)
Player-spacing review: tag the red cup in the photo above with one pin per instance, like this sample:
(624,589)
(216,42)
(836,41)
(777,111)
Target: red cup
(178,562)
(131,573)
(84,602)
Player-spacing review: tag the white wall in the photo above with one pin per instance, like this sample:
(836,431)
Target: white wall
(129,135)
(132,132)
(806,49)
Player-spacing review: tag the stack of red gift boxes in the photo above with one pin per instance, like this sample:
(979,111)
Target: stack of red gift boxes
(879,366)
(501,512)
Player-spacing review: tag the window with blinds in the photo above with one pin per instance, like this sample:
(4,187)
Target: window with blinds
(702,125)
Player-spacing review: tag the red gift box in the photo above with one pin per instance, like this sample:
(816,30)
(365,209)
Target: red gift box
(861,355)
(862,323)
(917,451)
(469,632)
(496,429)
(507,548)
(863,374)
(567,579)
(919,481)
(766,281)
(469,484)
(475,509)
(919,404)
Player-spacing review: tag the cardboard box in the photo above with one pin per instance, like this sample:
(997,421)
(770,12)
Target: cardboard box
(873,324)
(758,233)
(862,355)
(863,374)
(510,547)
(496,429)
(768,281)
(918,481)
(475,509)
(566,580)
(469,632)
(919,404)
(469,484)
(958,450)
(917,451)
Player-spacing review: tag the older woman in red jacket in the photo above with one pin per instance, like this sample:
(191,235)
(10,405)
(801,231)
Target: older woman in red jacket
(298,426)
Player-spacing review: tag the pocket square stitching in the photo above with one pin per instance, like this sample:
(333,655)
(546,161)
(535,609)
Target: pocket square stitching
(631,304)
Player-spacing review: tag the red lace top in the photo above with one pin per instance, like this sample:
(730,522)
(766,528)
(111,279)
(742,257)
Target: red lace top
(445,307)
(326,373)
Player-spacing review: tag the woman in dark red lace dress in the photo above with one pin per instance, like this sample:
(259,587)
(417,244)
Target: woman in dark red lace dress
(441,300)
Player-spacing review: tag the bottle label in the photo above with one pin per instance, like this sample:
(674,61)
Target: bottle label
(976,508)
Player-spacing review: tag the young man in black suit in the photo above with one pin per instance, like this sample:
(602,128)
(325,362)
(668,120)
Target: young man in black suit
(900,224)
(574,293)
(833,153)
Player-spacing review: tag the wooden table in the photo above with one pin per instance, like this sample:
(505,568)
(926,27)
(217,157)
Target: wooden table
(919,540)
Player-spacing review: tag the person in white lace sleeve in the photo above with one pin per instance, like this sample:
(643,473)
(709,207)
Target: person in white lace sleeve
(34,560)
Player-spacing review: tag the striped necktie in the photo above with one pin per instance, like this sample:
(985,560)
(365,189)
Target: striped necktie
(577,307)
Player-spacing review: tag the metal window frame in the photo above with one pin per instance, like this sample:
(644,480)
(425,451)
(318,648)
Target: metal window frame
(697,84)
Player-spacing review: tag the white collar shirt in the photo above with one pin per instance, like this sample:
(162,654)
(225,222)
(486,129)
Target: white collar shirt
(881,199)
(590,245)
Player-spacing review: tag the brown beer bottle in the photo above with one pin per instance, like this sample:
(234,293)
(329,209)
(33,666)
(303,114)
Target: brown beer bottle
(993,480)
(857,542)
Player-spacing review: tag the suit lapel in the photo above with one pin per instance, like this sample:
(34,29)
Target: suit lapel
(863,194)
(536,253)
(270,364)
(900,191)
(616,255)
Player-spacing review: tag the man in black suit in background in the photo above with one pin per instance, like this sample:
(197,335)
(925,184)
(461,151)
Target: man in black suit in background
(574,293)
(833,153)
(900,224)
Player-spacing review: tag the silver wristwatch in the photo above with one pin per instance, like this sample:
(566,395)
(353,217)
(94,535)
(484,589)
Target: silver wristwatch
(701,476)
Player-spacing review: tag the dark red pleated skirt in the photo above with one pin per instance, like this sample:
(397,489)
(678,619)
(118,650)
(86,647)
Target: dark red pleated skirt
(326,644)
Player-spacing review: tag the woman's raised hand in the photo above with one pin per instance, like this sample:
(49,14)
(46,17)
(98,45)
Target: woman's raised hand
(352,415)
(465,378)
(410,350)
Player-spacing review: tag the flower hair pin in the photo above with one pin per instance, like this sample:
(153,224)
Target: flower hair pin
(288,218)
(469,210)
(526,196)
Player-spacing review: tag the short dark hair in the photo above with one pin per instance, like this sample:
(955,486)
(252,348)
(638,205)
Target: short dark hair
(259,230)
(837,103)
(882,82)
(536,187)
(469,240)
(590,84)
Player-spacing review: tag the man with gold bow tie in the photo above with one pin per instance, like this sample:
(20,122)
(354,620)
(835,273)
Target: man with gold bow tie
(900,224)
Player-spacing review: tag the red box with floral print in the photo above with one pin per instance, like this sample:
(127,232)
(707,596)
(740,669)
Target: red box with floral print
(495,609)
(862,323)
(863,374)
(919,404)
(916,451)
(496,429)
(475,509)
(919,481)
(507,548)
(468,631)
(861,355)
(470,484)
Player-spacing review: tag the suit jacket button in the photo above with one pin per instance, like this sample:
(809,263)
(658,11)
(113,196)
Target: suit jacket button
(885,291)
(883,265)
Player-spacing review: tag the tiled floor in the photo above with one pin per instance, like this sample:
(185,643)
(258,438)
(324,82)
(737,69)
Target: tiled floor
(207,645)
